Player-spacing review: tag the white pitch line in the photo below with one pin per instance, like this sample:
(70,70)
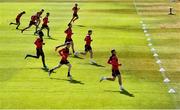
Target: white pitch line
(145,31)
(171,90)
(147,34)
(158,61)
(166,80)
(149,39)
(153,49)
(144,28)
(149,44)
(155,55)
(143,25)
(141,22)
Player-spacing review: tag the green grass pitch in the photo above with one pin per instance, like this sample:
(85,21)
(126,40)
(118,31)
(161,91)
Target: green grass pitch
(115,25)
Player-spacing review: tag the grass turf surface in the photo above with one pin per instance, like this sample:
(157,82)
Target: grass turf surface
(115,24)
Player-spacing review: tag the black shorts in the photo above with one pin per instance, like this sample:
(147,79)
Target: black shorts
(44,26)
(38,17)
(39,52)
(17,21)
(68,40)
(115,73)
(32,23)
(64,62)
(88,48)
(75,15)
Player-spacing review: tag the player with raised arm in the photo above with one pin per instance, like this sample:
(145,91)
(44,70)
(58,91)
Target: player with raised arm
(64,53)
(18,19)
(39,49)
(113,60)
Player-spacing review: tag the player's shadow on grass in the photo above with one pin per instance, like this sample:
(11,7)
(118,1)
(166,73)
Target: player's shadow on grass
(125,92)
(45,69)
(73,81)
(27,34)
(17,29)
(80,25)
(96,64)
(77,57)
(50,38)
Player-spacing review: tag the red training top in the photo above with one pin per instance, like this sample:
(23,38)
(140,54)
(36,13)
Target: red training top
(88,40)
(75,9)
(39,43)
(64,53)
(39,13)
(69,33)
(113,60)
(33,18)
(19,16)
(45,21)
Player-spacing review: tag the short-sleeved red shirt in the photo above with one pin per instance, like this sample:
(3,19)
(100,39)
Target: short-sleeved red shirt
(113,60)
(69,33)
(64,53)
(39,43)
(45,21)
(88,40)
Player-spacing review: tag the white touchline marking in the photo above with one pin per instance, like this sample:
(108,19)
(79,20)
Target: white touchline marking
(145,31)
(166,80)
(158,61)
(153,49)
(171,90)
(150,44)
(155,55)
(147,34)
(144,25)
(144,28)
(162,70)
(149,39)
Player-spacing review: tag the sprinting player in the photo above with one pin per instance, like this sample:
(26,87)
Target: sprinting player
(39,16)
(32,22)
(69,34)
(18,19)
(38,20)
(64,53)
(88,48)
(45,24)
(75,13)
(113,60)
(39,49)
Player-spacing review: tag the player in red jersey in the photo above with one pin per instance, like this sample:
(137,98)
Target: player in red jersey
(113,60)
(39,49)
(18,19)
(45,24)
(75,13)
(69,34)
(32,22)
(88,48)
(64,53)
(39,16)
